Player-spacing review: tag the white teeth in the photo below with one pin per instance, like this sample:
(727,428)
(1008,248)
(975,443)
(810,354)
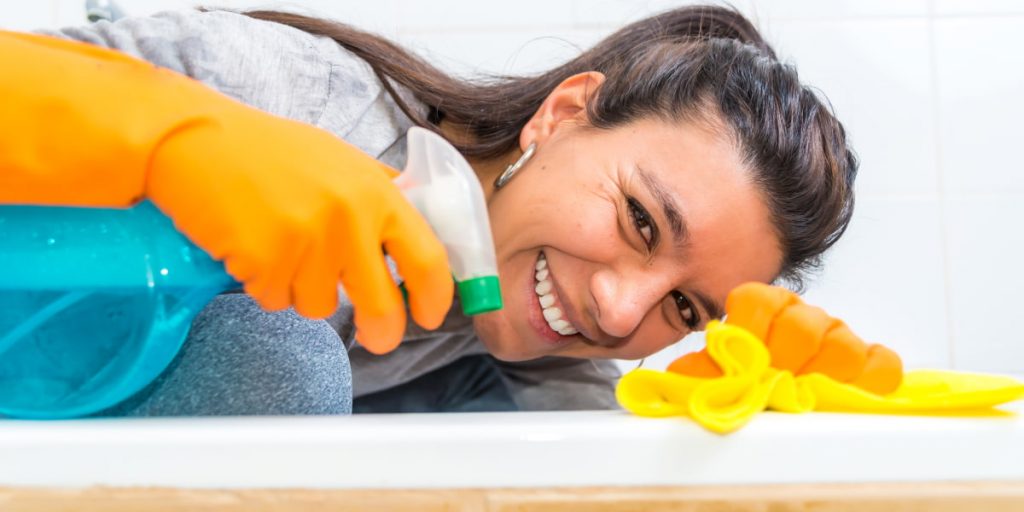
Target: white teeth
(558,325)
(546,295)
(543,288)
(552,313)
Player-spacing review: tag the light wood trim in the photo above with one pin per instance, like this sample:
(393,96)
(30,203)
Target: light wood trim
(899,497)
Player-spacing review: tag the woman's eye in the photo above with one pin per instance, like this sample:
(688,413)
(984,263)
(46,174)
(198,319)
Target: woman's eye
(686,310)
(643,223)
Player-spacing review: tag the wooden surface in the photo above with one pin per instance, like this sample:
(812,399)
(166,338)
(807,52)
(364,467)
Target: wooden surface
(902,497)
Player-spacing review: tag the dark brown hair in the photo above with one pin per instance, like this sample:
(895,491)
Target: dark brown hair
(702,62)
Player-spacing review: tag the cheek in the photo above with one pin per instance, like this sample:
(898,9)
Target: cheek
(654,336)
(579,223)
(584,227)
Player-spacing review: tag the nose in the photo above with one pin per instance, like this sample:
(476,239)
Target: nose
(622,300)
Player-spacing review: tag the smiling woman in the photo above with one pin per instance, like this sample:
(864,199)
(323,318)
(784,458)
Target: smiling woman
(673,161)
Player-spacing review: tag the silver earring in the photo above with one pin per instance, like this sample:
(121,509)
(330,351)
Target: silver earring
(511,170)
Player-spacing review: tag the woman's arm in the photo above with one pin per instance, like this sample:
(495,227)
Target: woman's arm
(287,207)
(269,66)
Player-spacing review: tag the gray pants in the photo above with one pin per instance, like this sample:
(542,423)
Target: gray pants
(470,384)
(241,360)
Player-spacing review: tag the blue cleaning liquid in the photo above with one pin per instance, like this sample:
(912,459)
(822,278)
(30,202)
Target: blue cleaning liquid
(94,304)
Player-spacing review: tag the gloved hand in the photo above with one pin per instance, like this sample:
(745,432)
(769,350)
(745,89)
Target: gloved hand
(802,339)
(290,209)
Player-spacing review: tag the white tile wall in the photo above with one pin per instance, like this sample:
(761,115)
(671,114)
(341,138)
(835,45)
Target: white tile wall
(26,15)
(985,246)
(765,10)
(871,69)
(977,7)
(483,16)
(980,81)
(930,91)
(885,278)
(614,13)
(507,51)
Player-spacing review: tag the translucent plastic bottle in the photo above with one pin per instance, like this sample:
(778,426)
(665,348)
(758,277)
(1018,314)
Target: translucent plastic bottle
(442,186)
(95,303)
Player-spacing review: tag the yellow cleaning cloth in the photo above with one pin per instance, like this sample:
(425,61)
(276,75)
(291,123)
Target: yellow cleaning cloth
(749,385)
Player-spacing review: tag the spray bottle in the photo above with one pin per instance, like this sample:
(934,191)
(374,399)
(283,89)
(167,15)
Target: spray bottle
(95,303)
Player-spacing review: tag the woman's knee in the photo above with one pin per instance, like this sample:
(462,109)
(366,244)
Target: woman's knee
(241,360)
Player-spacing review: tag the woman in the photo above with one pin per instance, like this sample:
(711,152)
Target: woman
(647,177)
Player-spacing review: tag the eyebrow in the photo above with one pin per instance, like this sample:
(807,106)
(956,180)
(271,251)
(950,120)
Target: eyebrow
(670,209)
(667,202)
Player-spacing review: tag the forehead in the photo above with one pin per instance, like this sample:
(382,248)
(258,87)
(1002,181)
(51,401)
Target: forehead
(705,147)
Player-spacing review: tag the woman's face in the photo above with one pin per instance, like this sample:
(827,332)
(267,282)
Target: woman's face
(641,231)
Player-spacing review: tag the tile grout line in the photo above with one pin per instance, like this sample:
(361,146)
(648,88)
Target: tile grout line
(940,183)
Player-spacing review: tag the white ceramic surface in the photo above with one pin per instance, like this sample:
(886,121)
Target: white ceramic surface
(602,448)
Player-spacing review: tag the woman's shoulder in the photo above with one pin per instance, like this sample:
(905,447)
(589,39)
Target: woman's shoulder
(306,77)
(271,66)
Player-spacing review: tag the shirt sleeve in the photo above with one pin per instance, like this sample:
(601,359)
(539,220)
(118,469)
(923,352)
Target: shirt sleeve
(559,383)
(270,66)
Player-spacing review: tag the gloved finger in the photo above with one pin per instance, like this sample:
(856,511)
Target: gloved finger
(423,263)
(315,288)
(696,364)
(60,44)
(379,312)
(389,171)
(754,306)
(883,371)
(240,268)
(381,333)
(271,286)
(842,355)
(796,335)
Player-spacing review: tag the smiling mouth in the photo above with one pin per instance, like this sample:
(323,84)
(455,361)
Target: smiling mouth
(550,306)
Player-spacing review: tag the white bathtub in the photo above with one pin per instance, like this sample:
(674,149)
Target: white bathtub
(506,450)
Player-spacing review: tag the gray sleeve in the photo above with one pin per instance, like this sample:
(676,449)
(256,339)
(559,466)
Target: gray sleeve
(559,383)
(273,67)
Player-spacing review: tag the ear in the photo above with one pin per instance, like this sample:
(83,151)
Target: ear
(567,103)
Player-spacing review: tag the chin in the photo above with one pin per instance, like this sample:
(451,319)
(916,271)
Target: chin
(503,344)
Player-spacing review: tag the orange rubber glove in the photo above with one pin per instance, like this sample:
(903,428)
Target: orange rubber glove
(289,208)
(802,339)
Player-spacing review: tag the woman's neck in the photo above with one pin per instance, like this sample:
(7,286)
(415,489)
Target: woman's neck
(486,169)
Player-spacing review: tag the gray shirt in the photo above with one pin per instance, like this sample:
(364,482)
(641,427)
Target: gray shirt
(312,79)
